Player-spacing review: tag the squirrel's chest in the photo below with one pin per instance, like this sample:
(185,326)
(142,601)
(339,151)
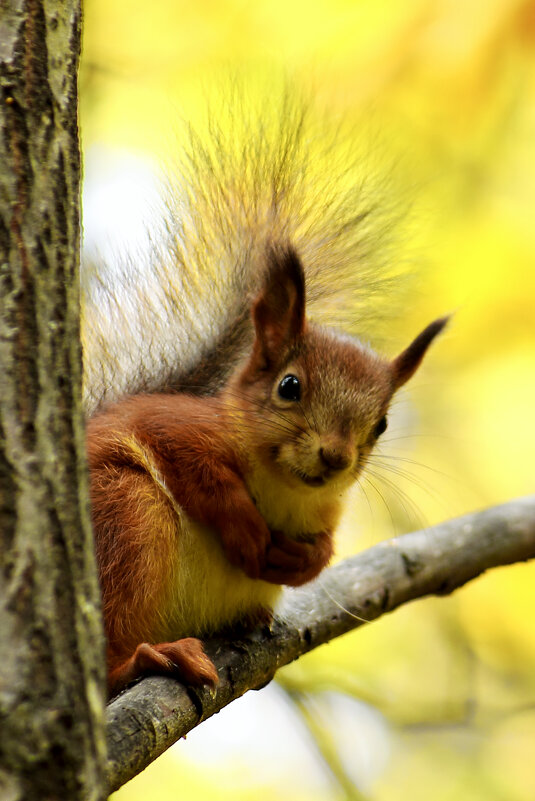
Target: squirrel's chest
(206,592)
(296,511)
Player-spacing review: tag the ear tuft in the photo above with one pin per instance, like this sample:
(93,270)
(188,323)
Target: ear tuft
(279,310)
(406,364)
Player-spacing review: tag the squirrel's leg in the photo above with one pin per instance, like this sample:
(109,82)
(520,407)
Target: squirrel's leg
(222,500)
(185,659)
(136,534)
(213,492)
(294,562)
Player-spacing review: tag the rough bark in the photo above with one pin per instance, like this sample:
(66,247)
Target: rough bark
(51,670)
(146,719)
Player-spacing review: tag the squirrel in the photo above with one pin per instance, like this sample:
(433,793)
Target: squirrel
(211,492)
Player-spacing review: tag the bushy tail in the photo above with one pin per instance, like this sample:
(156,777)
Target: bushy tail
(261,173)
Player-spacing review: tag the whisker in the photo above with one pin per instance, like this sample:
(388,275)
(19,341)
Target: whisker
(363,490)
(337,603)
(305,416)
(253,401)
(421,435)
(366,478)
(412,477)
(410,509)
(394,457)
(407,474)
(280,414)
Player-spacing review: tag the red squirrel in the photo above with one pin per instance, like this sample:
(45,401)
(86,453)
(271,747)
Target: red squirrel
(204,506)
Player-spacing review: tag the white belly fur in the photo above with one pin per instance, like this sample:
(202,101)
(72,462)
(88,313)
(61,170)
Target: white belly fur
(297,511)
(208,593)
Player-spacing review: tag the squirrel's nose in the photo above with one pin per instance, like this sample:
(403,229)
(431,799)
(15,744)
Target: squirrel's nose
(335,457)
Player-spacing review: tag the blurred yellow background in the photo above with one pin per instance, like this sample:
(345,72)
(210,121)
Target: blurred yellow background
(439,698)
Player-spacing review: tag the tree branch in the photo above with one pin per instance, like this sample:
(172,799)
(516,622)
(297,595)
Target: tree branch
(149,717)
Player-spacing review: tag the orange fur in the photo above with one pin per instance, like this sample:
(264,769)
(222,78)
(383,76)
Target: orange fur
(202,505)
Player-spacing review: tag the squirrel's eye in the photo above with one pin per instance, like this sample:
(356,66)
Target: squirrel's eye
(290,388)
(381,427)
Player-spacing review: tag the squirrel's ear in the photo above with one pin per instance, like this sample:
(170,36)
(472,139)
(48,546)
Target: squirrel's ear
(407,362)
(279,310)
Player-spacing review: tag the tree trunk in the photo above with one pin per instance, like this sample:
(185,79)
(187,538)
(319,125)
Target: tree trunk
(51,644)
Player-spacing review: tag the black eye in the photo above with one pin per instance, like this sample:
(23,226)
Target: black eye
(290,388)
(381,427)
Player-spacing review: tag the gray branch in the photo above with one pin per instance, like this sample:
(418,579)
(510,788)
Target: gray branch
(149,717)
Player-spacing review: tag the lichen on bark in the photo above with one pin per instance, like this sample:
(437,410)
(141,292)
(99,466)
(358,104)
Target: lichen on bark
(51,672)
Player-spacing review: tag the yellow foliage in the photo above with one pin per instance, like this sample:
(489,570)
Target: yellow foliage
(451,86)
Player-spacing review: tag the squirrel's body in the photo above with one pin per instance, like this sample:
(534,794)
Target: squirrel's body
(219,473)
(203,506)
(178,582)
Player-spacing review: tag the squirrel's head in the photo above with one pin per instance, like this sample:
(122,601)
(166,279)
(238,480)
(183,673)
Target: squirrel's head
(314,401)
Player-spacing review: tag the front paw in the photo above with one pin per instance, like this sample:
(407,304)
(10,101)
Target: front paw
(245,543)
(294,562)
